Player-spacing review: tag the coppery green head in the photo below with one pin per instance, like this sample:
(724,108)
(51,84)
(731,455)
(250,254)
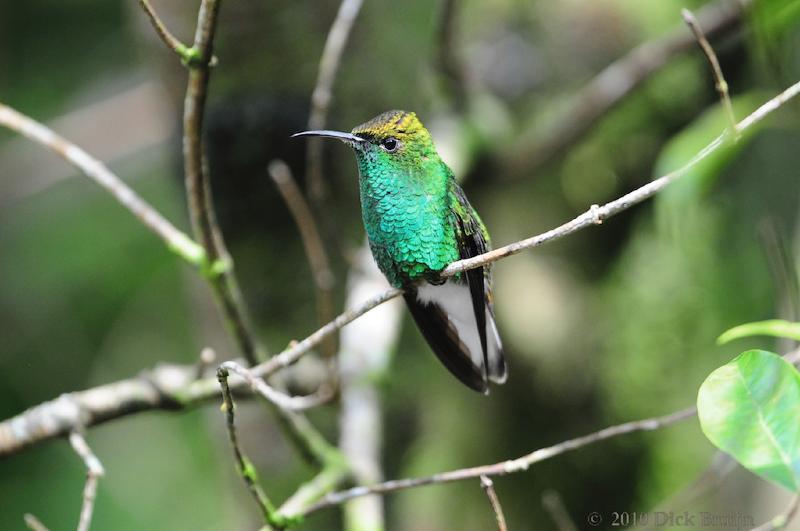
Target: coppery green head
(394,139)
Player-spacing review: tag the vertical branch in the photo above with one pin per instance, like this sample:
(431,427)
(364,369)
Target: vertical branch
(198,188)
(245,466)
(323,90)
(312,243)
(719,80)
(488,487)
(94,471)
(364,357)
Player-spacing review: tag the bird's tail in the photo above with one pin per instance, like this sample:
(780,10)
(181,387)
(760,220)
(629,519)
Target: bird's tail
(445,315)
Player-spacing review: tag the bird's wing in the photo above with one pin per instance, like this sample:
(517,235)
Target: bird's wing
(473,240)
(457,317)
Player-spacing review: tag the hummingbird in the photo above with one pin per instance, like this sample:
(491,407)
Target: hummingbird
(418,221)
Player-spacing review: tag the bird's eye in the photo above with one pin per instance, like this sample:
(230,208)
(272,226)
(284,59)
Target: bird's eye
(390,144)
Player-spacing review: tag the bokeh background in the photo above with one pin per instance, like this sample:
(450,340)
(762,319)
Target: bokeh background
(612,324)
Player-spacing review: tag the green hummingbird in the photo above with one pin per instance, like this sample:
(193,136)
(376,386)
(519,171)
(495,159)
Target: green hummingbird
(418,221)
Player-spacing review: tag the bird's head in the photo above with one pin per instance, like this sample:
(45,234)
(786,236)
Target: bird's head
(393,138)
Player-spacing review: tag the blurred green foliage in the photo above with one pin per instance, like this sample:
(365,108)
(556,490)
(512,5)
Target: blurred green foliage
(613,324)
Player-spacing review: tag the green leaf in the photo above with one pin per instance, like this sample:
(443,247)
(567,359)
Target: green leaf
(774,328)
(750,409)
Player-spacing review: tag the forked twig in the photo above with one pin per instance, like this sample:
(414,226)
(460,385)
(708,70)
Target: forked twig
(719,79)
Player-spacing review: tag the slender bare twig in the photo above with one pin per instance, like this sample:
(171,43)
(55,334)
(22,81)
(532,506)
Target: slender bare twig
(283,401)
(783,519)
(312,243)
(488,487)
(323,91)
(505,467)
(245,466)
(177,387)
(610,87)
(555,507)
(34,524)
(719,79)
(177,241)
(597,214)
(94,471)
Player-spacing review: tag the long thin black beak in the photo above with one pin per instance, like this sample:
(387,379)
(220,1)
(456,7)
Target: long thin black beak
(346,137)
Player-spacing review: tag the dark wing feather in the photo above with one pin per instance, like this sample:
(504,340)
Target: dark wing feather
(471,242)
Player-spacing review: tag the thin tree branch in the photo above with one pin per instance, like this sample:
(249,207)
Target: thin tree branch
(312,243)
(283,401)
(198,188)
(505,467)
(719,79)
(94,471)
(245,466)
(783,519)
(488,487)
(597,214)
(170,387)
(177,241)
(610,87)
(323,91)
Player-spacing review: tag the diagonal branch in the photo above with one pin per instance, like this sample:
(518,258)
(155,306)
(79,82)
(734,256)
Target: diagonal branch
(176,241)
(321,272)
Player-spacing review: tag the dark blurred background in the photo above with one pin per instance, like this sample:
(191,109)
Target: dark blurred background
(612,324)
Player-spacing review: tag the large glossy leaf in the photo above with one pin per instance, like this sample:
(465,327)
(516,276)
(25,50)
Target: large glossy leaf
(773,327)
(750,409)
